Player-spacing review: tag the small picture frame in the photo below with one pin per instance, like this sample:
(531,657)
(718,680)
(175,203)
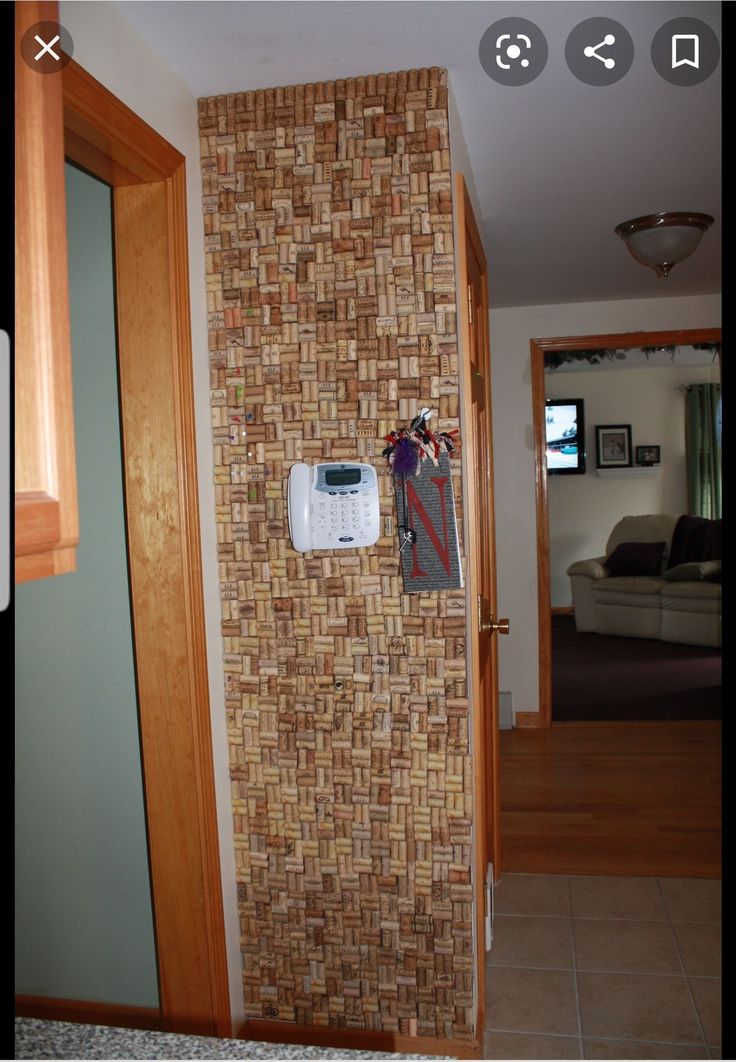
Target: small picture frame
(613,445)
(647,455)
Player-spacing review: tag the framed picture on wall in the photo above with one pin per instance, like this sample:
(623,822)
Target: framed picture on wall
(613,445)
(647,455)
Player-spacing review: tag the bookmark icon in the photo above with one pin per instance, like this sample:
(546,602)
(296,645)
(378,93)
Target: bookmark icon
(685,50)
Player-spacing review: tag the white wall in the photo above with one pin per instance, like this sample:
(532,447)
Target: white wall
(516,525)
(583,509)
(108,47)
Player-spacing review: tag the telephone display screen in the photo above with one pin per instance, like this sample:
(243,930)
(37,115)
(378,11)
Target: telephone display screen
(342,477)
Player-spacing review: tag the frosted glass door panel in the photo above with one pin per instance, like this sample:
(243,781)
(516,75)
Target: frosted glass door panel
(83,899)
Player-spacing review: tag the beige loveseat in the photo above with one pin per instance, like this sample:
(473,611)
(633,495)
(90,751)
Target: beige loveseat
(636,591)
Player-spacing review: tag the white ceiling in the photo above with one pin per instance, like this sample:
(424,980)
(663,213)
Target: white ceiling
(557,164)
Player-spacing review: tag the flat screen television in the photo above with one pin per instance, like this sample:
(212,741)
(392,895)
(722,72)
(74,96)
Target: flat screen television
(565,435)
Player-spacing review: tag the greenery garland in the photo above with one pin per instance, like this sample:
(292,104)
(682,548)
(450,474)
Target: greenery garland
(554,359)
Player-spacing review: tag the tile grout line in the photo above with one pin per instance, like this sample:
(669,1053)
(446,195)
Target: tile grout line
(611,918)
(628,1040)
(605,1039)
(603,971)
(684,971)
(575,971)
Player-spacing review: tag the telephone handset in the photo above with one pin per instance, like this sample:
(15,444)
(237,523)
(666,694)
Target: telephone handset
(333,506)
(300,507)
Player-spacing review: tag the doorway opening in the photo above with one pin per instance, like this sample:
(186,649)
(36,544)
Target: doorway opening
(540,350)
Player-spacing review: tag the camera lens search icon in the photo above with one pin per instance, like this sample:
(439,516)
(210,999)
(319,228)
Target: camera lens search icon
(513,51)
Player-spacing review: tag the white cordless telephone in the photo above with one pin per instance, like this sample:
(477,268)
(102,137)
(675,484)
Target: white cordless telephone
(333,506)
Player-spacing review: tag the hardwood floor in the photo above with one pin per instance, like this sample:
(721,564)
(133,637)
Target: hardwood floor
(640,799)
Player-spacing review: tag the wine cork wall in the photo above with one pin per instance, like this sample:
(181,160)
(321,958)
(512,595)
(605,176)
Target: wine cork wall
(332,320)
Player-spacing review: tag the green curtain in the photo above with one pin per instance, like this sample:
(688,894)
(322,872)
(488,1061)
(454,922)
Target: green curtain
(703,450)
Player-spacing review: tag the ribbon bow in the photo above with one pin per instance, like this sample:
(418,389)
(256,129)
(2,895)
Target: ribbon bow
(408,447)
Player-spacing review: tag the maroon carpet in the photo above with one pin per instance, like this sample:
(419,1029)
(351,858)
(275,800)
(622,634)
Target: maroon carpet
(597,677)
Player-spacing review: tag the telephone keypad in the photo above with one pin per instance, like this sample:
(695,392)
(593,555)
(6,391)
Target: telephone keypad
(337,519)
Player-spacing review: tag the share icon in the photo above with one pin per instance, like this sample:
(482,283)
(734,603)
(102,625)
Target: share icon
(614,51)
(591,51)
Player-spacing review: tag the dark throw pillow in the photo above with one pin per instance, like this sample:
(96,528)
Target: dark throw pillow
(694,572)
(636,558)
(695,538)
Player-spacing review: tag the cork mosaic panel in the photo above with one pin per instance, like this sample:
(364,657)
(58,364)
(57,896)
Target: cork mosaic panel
(331,305)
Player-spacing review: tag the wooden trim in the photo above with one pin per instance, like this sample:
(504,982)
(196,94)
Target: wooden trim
(484,718)
(154,347)
(629,340)
(639,723)
(282,1032)
(493,730)
(544,632)
(37,522)
(87,1012)
(47,563)
(108,131)
(194,617)
(526,720)
(470,520)
(540,347)
(530,720)
(47,522)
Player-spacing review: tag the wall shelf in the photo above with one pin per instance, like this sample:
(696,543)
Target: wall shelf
(637,470)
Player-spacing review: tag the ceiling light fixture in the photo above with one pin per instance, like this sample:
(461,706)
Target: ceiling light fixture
(661,241)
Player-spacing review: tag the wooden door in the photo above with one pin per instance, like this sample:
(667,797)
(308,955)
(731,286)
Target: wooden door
(481,559)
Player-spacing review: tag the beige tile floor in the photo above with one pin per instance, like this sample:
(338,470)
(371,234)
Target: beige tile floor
(604,967)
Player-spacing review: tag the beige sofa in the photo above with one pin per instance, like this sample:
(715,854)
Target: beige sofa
(633,590)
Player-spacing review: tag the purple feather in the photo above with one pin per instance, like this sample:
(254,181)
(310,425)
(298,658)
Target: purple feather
(405,458)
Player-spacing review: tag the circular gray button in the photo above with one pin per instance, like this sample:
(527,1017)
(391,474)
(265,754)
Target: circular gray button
(599,51)
(685,51)
(513,51)
(47,47)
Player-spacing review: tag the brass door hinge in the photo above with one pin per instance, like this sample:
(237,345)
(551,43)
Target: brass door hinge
(470,303)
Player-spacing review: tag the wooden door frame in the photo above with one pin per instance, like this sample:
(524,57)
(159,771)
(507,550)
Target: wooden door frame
(540,347)
(148,179)
(486,758)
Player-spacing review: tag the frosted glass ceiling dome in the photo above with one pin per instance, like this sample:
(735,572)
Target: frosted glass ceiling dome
(661,241)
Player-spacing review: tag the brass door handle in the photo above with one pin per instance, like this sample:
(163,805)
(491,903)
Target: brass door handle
(498,626)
